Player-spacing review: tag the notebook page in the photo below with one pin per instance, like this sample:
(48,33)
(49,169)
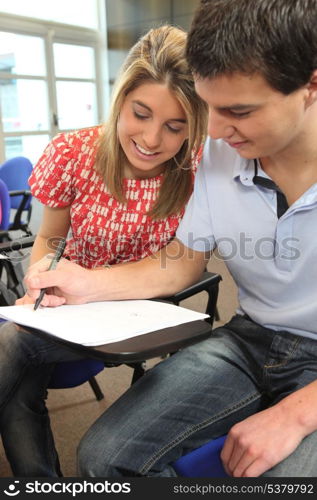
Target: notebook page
(98,323)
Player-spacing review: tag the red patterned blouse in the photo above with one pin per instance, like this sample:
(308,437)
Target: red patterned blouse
(103,230)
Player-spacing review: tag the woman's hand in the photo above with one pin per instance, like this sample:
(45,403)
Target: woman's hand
(24,300)
(67,284)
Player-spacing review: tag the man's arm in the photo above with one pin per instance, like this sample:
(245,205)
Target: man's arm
(264,439)
(164,273)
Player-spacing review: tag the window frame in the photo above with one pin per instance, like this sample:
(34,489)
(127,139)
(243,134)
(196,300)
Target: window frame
(51,33)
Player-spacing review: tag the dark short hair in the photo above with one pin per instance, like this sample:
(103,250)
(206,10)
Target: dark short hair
(277,38)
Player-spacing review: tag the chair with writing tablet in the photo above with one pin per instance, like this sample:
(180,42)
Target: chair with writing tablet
(71,374)
(134,351)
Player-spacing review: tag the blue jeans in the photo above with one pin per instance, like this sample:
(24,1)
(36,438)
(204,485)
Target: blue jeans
(26,365)
(198,394)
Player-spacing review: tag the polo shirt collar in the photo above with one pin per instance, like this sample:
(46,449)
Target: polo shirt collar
(243,171)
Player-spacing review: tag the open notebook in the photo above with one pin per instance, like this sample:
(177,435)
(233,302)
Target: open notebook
(100,323)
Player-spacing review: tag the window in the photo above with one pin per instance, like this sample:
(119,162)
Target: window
(50,74)
(76,12)
(23,94)
(75,86)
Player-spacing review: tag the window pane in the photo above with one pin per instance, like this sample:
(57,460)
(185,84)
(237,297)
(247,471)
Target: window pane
(76,104)
(20,54)
(74,61)
(24,105)
(76,12)
(30,146)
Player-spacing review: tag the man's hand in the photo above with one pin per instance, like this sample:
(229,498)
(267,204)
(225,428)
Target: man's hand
(67,284)
(260,442)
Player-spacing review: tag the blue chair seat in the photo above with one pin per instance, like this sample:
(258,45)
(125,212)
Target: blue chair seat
(202,462)
(73,373)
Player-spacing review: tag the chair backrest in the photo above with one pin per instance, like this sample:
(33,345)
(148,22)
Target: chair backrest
(5,206)
(15,173)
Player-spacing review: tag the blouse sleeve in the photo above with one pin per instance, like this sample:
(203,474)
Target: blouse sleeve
(51,181)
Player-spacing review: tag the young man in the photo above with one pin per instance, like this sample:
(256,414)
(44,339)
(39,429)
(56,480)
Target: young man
(255,199)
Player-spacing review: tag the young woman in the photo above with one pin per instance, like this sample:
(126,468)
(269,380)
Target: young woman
(117,192)
(122,187)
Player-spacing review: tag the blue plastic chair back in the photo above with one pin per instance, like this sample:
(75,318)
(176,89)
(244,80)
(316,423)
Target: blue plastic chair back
(202,462)
(5,206)
(73,373)
(15,174)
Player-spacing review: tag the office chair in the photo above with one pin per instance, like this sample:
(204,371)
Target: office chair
(11,288)
(78,372)
(15,174)
(202,462)
(74,373)
(5,206)
(11,270)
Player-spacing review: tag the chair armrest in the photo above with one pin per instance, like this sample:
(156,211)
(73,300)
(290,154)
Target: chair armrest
(20,192)
(209,282)
(17,244)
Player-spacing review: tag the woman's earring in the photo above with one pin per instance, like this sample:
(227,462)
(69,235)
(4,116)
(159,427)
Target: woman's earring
(180,166)
(175,159)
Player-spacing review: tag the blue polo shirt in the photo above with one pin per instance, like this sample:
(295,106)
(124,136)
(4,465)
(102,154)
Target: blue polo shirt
(273,261)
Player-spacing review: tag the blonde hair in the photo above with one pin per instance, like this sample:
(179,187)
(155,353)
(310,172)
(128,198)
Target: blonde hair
(159,56)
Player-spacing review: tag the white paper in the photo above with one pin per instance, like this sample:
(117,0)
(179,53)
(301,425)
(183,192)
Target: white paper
(100,323)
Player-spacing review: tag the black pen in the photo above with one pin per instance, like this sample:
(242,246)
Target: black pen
(58,255)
